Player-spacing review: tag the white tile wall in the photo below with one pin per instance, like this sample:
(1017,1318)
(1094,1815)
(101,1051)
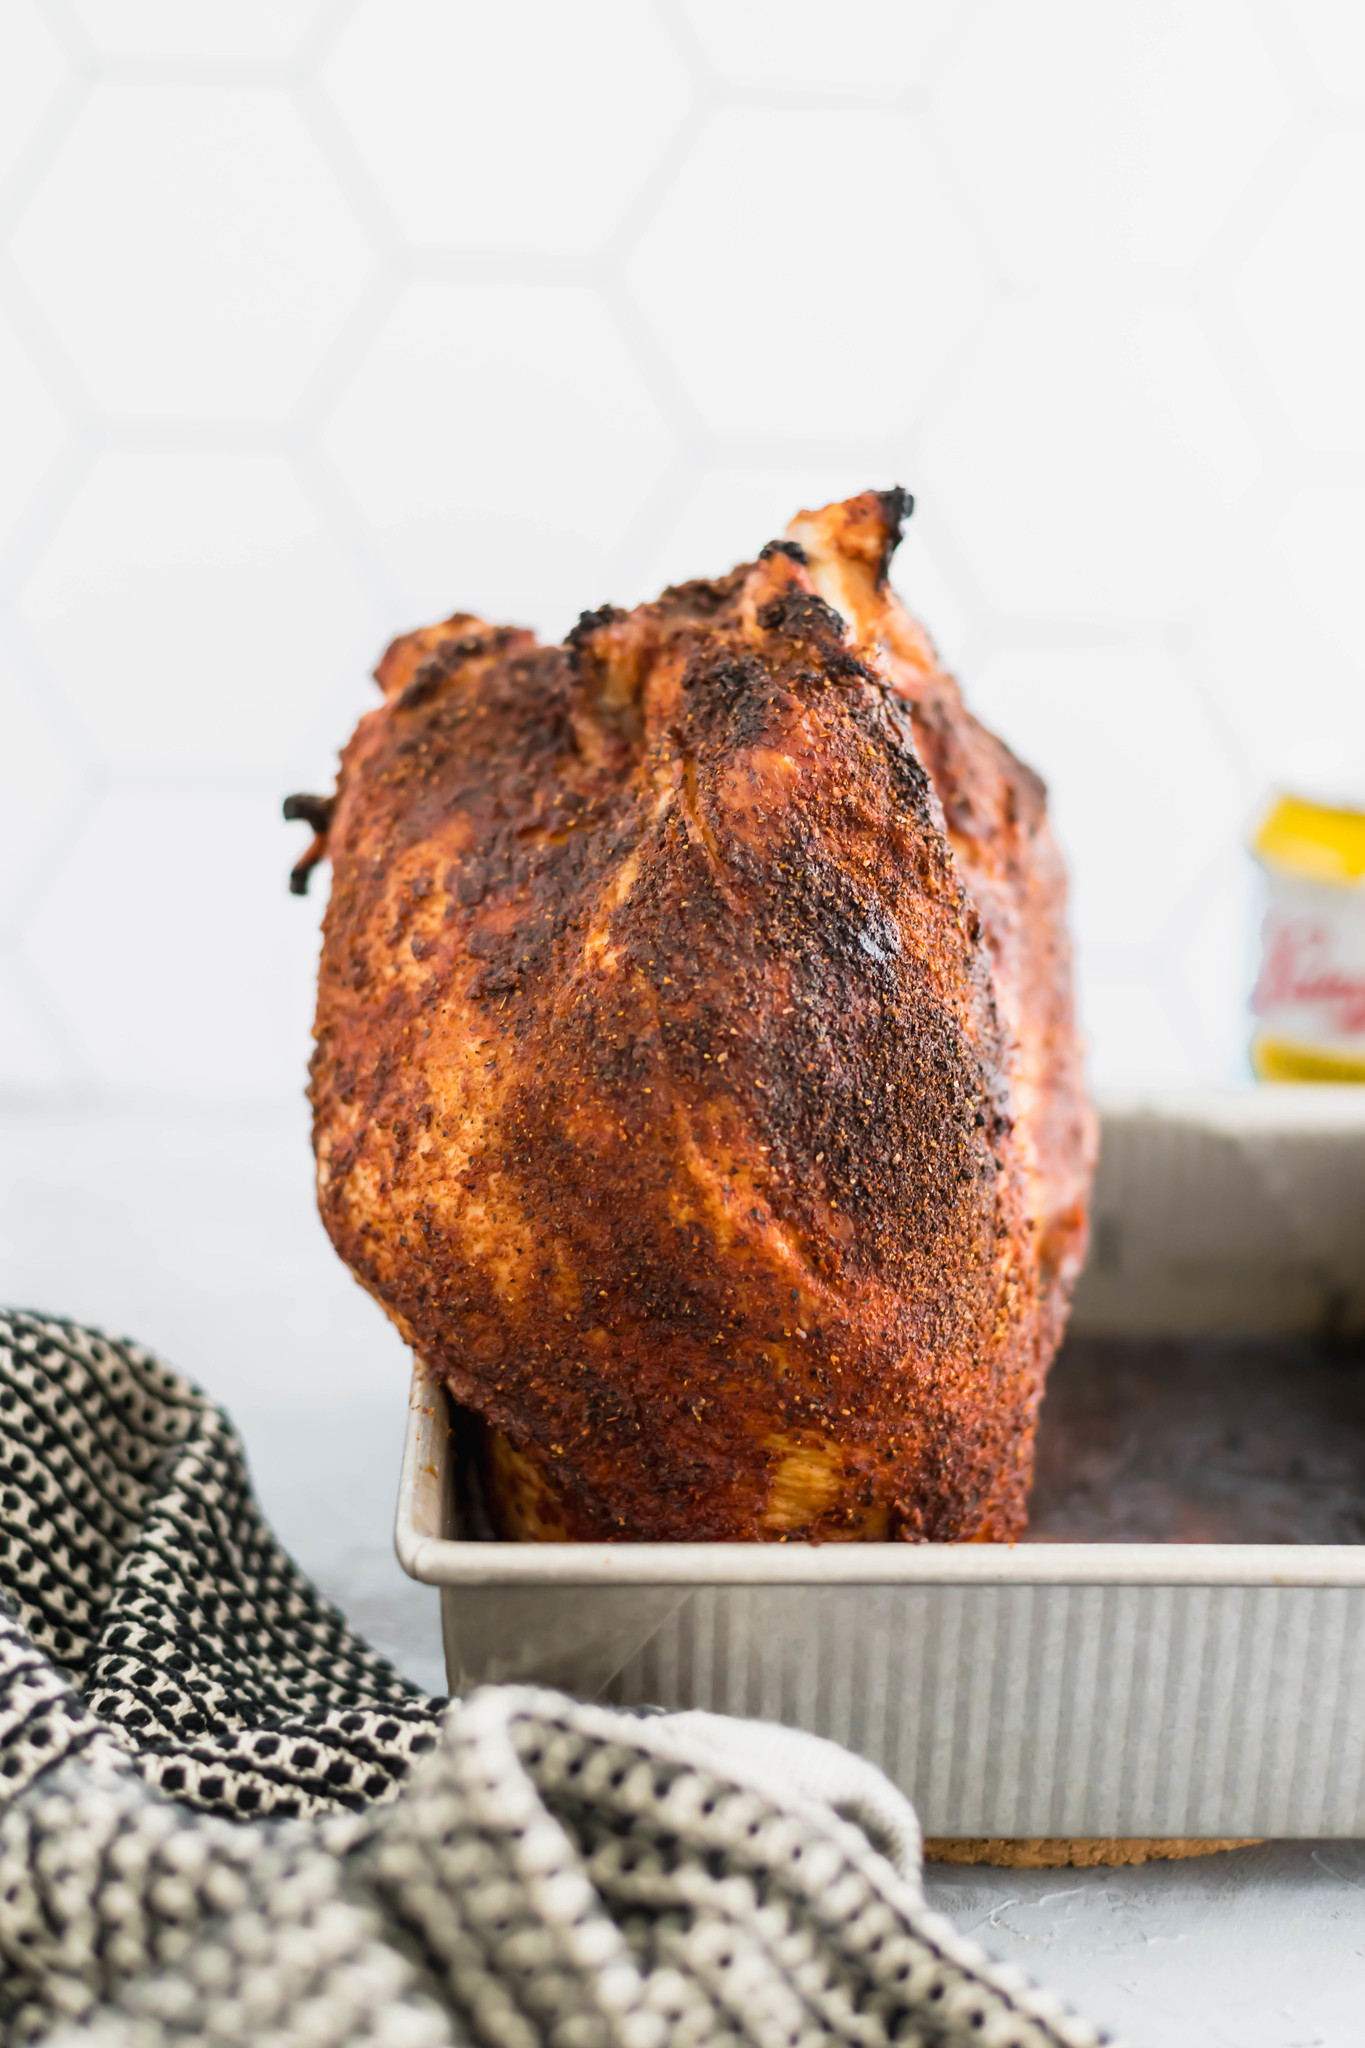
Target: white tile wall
(191,252)
(1105,139)
(505,427)
(513,131)
(320,317)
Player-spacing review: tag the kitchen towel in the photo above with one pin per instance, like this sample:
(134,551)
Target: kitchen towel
(224,1819)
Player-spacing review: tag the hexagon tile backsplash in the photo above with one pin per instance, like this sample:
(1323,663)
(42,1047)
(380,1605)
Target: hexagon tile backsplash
(321,317)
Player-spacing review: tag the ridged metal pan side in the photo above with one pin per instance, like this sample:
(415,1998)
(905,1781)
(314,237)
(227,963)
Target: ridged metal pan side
(1002,1710)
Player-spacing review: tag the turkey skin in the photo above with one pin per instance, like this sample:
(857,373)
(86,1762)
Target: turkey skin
(696,1084)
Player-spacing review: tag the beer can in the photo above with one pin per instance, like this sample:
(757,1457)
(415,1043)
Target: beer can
(1309,1001)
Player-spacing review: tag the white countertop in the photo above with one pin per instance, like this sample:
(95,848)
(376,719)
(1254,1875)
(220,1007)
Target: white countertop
(194,1231)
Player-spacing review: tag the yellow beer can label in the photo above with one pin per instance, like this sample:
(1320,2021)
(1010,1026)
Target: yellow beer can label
(1279,1059)
(1309,1001)
(1315,842)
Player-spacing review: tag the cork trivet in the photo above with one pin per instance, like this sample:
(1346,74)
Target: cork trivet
(1042,1852)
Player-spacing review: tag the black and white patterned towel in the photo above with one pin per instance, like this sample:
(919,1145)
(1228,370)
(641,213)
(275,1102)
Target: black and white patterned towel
(223,1819)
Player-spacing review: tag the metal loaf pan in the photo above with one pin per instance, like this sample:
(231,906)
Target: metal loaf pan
(1041,1689)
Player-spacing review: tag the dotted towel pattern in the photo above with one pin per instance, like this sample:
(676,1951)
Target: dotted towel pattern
(224,1819)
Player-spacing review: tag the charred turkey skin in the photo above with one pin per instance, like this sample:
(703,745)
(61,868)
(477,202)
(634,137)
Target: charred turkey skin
(690,1113)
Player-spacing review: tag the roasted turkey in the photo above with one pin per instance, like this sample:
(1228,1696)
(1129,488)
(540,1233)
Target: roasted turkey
(696,1081)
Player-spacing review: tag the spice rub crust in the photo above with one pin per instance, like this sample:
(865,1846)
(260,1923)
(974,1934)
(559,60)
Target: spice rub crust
(662,1093)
